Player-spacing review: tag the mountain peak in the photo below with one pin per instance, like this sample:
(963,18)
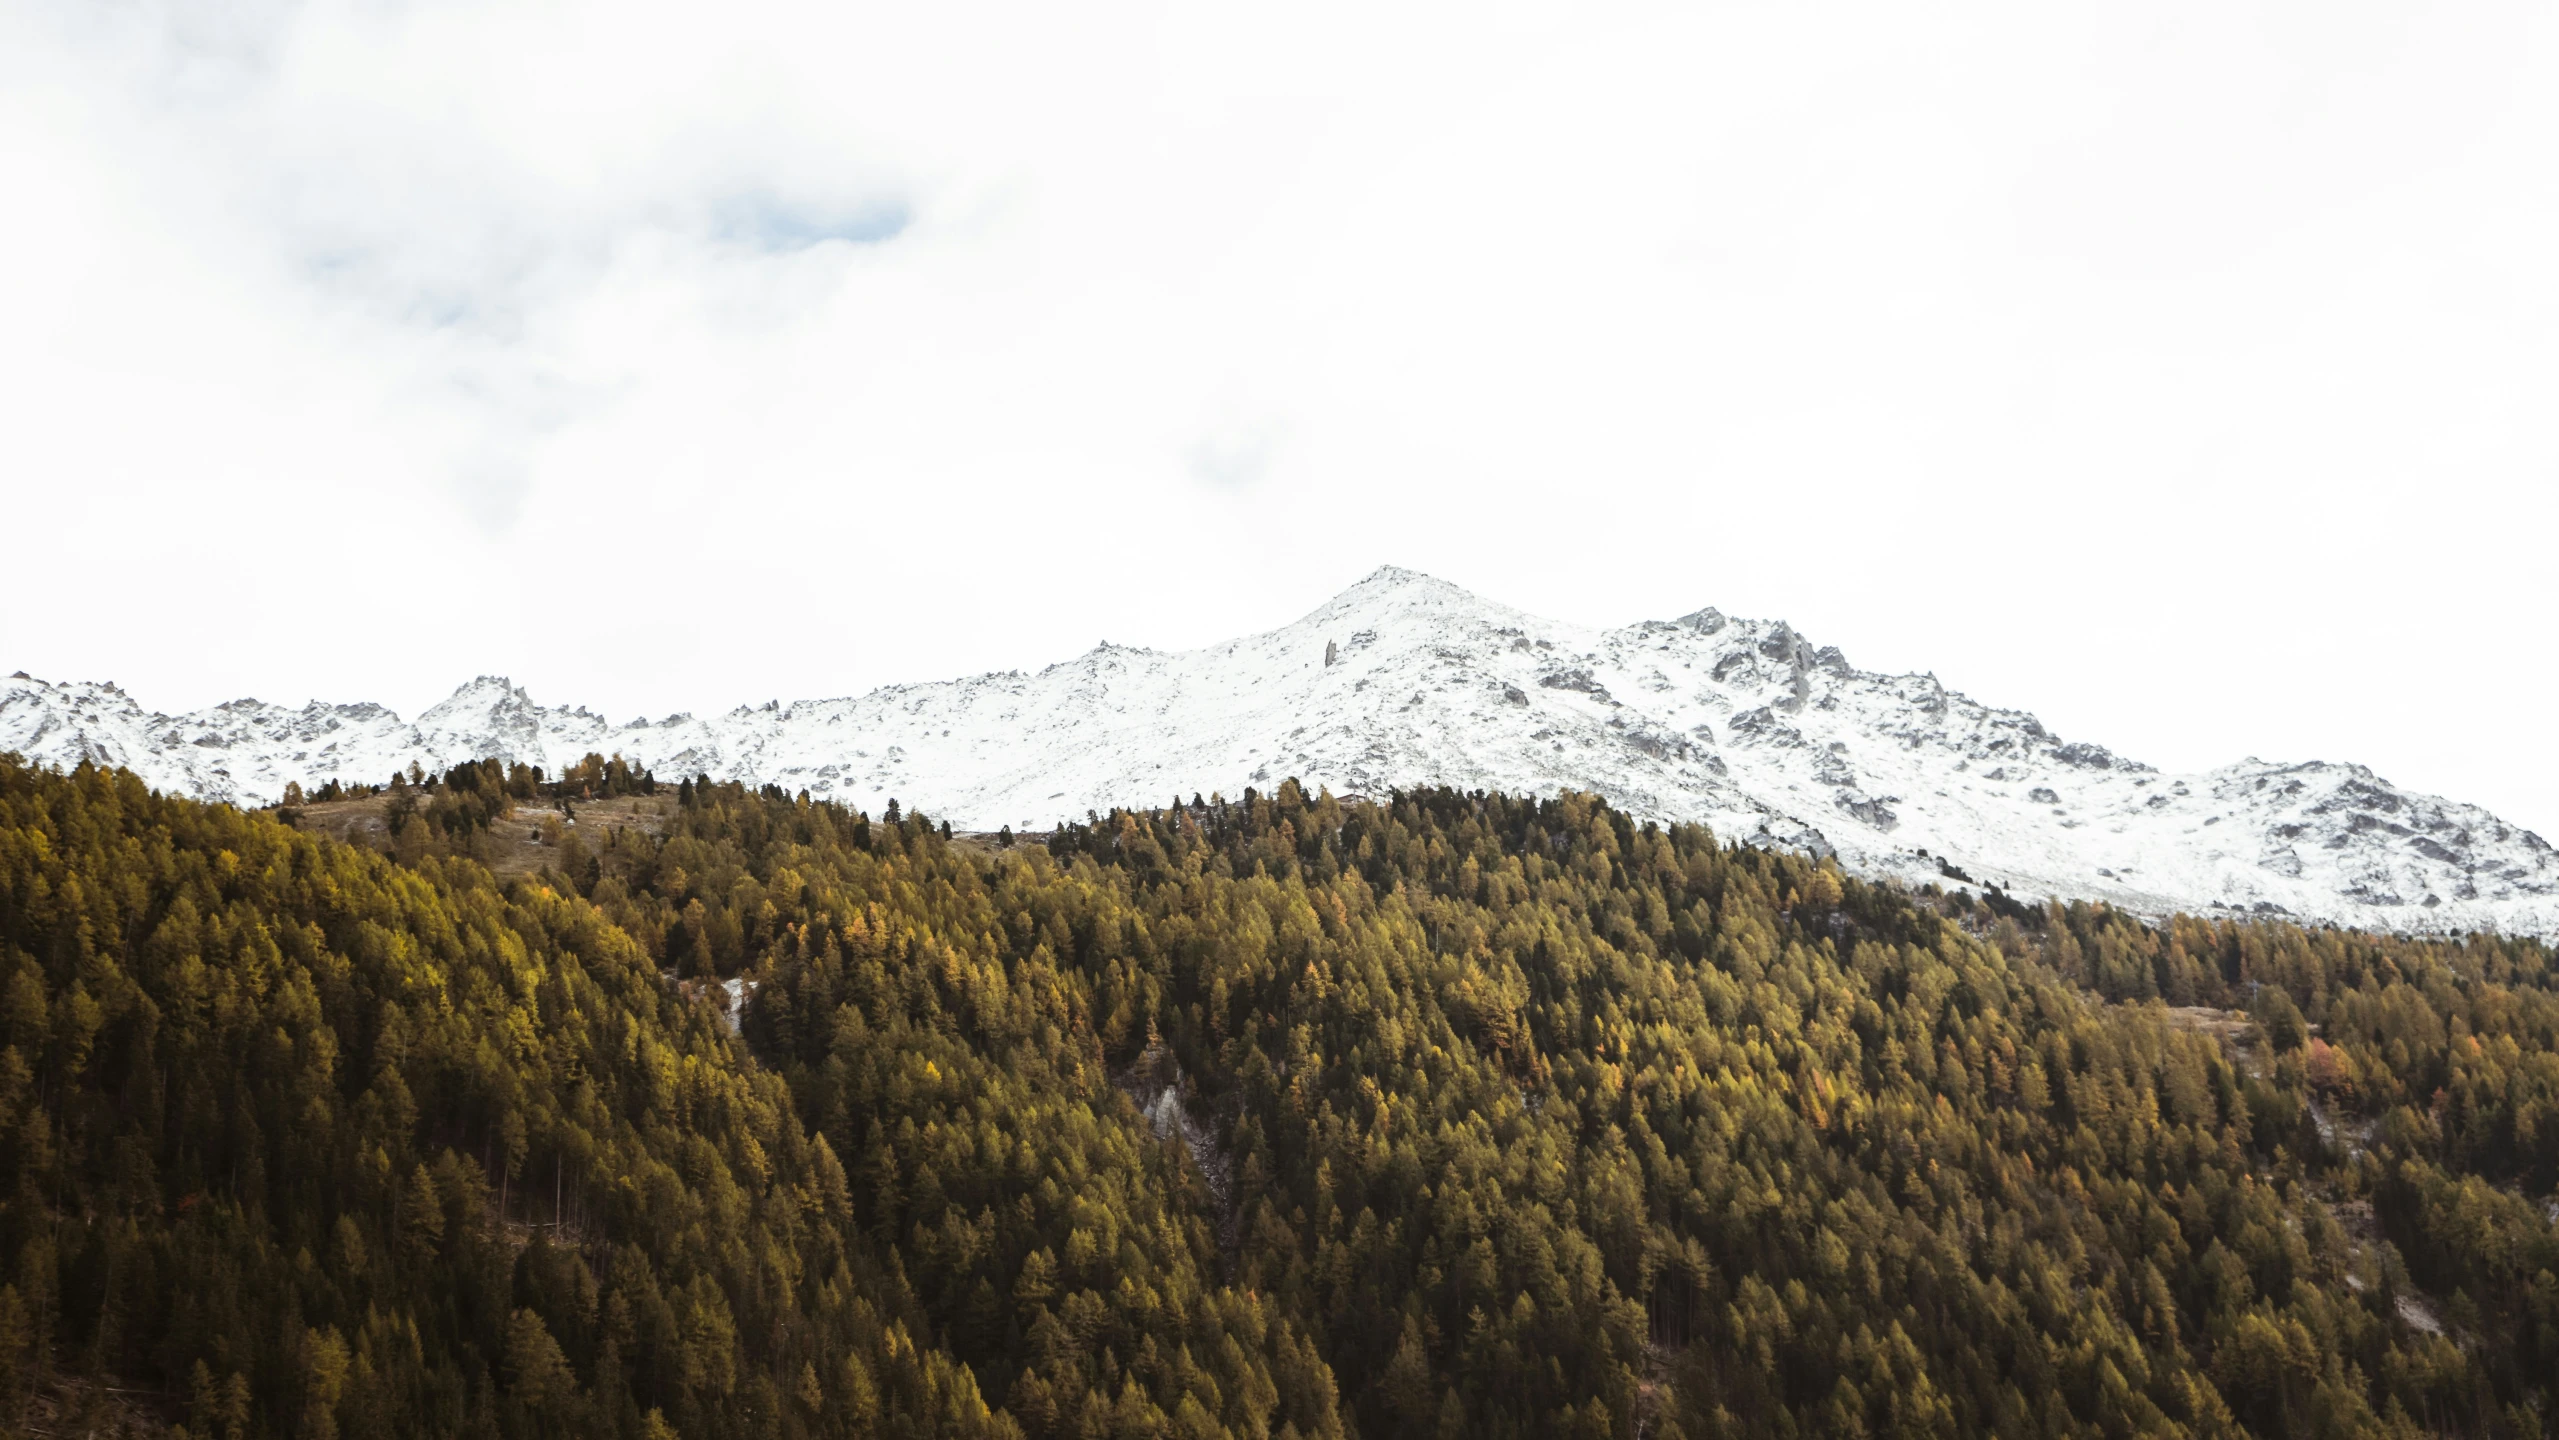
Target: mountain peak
(1392,590)
(1394,581)
(1404,679)
(1386,575)
(480,696)
(487,685)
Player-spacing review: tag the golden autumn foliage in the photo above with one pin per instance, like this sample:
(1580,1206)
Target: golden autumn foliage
(1497,1117)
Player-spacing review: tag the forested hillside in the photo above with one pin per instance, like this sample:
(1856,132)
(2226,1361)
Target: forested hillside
(1505,1117)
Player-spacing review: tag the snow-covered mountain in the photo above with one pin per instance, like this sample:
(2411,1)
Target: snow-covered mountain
(1404,679)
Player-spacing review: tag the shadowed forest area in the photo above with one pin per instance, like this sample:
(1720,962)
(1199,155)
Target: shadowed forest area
(1496,1117)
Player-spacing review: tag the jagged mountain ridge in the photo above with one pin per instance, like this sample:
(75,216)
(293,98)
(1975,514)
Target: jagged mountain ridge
(1404,679)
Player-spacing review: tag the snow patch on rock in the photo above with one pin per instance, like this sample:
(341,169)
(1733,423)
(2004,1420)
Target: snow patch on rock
(1404,679)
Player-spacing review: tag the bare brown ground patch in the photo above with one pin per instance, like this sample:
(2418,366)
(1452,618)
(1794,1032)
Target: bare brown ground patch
(2229,1025)
(517,844)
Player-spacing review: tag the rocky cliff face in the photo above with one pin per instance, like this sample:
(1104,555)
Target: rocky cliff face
(1401,680)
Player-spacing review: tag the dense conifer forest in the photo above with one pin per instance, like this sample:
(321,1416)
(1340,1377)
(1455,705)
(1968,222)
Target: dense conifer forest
(1446,1115)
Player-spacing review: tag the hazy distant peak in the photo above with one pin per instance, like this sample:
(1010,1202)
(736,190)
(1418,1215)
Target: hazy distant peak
(1392,593)
(481,691)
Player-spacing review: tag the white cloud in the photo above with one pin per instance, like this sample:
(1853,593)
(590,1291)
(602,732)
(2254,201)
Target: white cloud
(2180,372)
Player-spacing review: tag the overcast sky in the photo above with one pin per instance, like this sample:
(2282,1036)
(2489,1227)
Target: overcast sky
(2185,373)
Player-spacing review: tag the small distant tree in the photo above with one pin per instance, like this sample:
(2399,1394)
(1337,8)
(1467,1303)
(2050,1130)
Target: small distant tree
(2280,1018)
(17,1338)
(538,1374)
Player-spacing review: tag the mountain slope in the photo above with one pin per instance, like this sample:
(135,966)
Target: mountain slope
(1403,679)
